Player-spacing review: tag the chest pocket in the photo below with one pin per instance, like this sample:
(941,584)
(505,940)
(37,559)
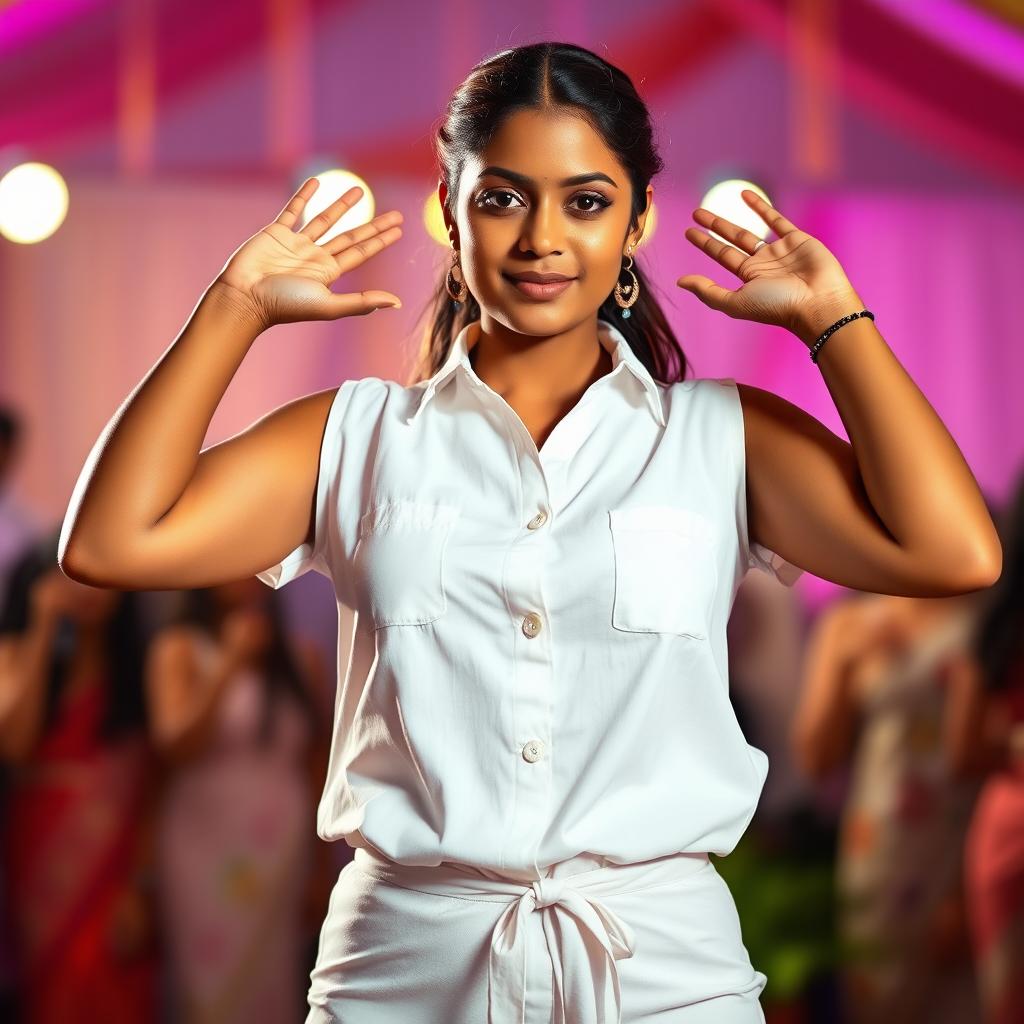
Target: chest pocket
(665,572)
(400,561)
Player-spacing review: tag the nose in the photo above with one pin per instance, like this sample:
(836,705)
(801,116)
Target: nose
(542,228)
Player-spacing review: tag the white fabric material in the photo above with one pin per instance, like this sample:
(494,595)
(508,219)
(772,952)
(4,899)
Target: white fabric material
(590,943)
(532,645)
(580,929)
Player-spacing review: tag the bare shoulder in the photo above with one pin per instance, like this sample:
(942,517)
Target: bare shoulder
(767,415)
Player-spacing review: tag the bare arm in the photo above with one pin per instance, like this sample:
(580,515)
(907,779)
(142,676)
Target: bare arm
(826,718)
(152,511)
(895,511)
(25,662)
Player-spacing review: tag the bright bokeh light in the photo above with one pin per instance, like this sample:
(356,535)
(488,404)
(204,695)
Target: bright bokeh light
(433,220)
(725,199)
(333,184)
(33,202)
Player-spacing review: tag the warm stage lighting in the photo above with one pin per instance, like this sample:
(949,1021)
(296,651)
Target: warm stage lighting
(334,183)
(725,199)
(33,203)
(433,220)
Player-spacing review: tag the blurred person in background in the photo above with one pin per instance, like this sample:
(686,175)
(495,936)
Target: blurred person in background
(766,639)
(18,524)
(239,714)
(76,816)
(986,740)
(876,702)
(781,870)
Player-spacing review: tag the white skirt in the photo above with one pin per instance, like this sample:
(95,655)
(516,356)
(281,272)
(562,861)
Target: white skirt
(591,943)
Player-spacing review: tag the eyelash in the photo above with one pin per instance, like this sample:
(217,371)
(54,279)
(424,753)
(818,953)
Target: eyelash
(596,196)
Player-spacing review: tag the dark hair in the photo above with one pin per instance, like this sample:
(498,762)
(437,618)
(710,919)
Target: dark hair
(125,646)
(281,673)
(999,638)
(550,76)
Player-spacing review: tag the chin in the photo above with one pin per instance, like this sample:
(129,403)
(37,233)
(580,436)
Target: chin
(539,320)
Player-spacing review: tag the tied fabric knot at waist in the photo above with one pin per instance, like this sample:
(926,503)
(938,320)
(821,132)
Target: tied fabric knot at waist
(584,937)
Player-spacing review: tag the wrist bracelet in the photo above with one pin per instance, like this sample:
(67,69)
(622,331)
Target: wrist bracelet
(835,327)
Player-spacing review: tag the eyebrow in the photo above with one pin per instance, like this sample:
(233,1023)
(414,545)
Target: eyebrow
(522,179)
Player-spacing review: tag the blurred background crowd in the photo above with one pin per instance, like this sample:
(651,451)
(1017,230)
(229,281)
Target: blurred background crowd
(163,753)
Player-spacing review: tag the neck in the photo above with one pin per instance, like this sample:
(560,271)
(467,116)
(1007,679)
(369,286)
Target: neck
(538,368)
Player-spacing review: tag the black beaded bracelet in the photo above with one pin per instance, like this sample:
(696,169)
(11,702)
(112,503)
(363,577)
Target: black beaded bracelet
(835,327)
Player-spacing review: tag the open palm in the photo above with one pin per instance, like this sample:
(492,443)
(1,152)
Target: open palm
(284,275)
(784,282)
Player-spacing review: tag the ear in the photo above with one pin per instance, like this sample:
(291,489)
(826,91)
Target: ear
(642,218)
(442,196)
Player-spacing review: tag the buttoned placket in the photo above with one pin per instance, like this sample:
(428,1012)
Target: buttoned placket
(542,475)
(542,479)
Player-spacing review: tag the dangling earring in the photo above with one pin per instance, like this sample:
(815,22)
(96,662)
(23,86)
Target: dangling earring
(627,294)
(463,289)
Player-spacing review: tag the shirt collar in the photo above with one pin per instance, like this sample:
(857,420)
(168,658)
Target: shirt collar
(609,335)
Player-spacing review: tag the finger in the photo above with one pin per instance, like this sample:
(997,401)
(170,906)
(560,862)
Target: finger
(711,294)
(292,211)
(329,214)
(361,232)
(340,304)
(769,214)
(357,254)
(728,255)
(741,237)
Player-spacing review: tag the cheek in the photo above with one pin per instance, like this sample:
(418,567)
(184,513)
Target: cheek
(603,261)
(480,246)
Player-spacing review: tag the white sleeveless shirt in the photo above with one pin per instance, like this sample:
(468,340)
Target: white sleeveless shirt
(535,664)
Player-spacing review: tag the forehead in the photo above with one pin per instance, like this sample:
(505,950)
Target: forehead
(546,145)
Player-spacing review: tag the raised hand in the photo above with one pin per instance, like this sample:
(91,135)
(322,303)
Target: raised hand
(791,282)
(281,275)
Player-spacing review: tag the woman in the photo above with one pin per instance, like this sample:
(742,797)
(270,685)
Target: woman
(534,752)
(876,696)
(77,818)
(986,741)
(236,710)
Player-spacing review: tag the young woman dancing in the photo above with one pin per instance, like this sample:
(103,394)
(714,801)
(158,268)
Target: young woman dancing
(541,538)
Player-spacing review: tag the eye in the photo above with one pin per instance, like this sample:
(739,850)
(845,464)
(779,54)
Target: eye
(595,199)
(495,192)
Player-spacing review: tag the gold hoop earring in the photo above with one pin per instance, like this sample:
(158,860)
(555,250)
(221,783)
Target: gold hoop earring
(627,294)
(463,289)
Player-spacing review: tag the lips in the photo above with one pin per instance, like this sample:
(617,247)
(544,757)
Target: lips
(540,289)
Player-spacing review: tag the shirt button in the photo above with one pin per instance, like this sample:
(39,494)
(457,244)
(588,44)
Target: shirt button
(538,520)
(531,624)
(533,751)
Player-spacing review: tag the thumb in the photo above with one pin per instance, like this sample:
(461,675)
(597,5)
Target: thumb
(339,304)
(711,294)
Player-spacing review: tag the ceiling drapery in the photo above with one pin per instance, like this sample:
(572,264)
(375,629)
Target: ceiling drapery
(59,87)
